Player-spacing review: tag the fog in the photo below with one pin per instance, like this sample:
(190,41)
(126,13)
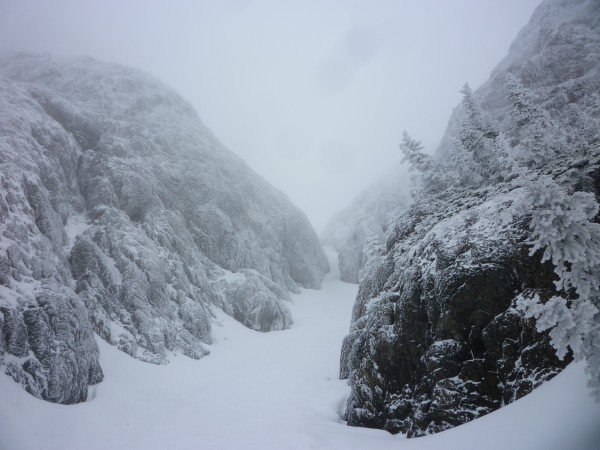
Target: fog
(314,95)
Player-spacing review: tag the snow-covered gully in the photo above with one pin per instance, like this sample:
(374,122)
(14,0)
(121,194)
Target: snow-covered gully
(277,390)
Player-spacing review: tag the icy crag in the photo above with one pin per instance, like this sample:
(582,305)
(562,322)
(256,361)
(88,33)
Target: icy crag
(435,339)
(365,220)
(122,215)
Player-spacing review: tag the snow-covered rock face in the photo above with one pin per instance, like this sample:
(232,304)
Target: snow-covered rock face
(366,218)
(436,339)
(121,214)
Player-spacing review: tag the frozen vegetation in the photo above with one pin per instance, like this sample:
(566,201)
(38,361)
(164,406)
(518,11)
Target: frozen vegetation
(487,285)
(122,215)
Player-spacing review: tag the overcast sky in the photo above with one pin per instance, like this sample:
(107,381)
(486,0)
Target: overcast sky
(314,95)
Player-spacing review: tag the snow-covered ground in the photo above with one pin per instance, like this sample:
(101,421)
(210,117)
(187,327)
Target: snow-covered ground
(275,390)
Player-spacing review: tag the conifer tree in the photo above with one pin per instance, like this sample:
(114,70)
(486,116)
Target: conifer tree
(432,177)
(530,125)
(563,226)
(478,155)
(413,154)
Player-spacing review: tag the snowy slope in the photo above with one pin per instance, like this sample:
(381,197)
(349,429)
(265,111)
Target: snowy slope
(271,391)
(121,213)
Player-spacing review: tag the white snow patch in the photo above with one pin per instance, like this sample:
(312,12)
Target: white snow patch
(76,225)
(232,277)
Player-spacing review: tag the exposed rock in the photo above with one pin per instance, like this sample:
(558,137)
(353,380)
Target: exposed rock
(435,339)
(436,342)
(255,301)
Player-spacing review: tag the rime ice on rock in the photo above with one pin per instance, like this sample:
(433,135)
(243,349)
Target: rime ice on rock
(121,214)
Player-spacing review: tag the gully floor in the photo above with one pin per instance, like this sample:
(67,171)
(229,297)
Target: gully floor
(276,390)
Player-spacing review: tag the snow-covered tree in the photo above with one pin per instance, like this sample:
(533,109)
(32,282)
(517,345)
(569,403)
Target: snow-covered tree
(563,227)
(478,155)
(413,154)
(535,137)
(432,177)
(590,120)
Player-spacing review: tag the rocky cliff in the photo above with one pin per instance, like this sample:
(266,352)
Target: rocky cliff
(437,335)
(365,222)
(122,215)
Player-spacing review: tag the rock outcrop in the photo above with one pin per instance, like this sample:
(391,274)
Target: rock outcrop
(122,215)
(436,339)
